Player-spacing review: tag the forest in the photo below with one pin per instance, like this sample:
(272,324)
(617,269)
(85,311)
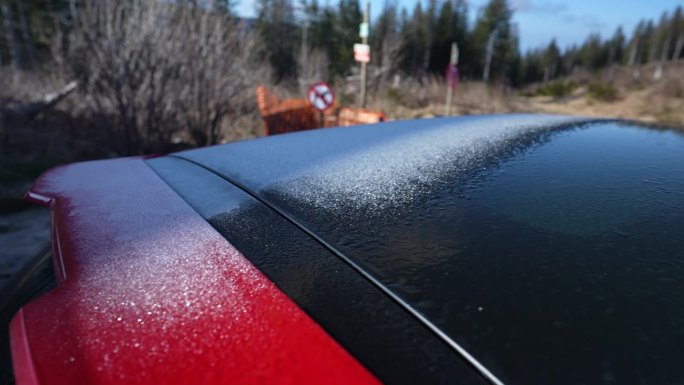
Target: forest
(417,42)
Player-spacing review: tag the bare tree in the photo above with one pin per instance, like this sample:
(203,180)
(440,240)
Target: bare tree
(154,69)
(26,35)
(312,66)
(217,72)
(10,35)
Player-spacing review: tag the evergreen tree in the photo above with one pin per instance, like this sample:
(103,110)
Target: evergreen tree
(648,52)
(550,60)
(616,47)
(451,26)
(660,39)
(224,6)
(593,53)
(413,39)
(494,24)
(531,68)
(349,17)
(277,33)
(677,33)
(384,38)
(27,28)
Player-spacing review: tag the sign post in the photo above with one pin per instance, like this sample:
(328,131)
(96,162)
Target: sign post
(362,53)
(321,97)
(452,77)
(363,33)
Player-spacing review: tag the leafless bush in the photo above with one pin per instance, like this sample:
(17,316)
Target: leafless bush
(312,67)
(17,87)
(151,70)
(672,88)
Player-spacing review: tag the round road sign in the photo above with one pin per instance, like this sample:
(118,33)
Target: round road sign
(321,96)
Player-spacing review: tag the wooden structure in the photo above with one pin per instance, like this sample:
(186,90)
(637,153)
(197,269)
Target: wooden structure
(353,116)
(290,115)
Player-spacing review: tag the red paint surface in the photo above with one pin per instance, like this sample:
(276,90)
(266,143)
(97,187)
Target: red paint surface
(151,294)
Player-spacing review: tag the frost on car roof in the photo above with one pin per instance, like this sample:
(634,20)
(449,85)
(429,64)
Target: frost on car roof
(378,166)
(549,248)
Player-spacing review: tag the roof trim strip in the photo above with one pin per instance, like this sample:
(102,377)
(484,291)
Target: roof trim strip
(488,375)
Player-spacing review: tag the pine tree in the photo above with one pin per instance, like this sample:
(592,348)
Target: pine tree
(346,35)
(493,26)
(27,28)
(384,38)
(277,36)
(550,60)
(661,39)
(617,47)
(413,39)
(678,33)
(636,45)
(594,53)
(532,67)
(450,26)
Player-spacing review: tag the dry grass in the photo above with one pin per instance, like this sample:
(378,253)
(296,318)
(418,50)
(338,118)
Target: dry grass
(628,93)
(413,100)
(640,96)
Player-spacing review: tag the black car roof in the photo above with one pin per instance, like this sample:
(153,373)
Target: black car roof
(541,249)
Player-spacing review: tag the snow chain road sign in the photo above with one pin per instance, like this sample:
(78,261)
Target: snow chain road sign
(363,30)
(452,75)
(362,53)
(321,96)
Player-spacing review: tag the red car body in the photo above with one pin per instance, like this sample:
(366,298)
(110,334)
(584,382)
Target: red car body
(149,293)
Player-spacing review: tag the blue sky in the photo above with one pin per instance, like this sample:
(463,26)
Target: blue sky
(540,20)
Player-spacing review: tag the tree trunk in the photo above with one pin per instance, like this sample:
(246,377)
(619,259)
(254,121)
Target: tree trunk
(9,35)
(652,51)
(678,47)
(26,35)
(666,48)
(633,54)
(658,74)
(488,58)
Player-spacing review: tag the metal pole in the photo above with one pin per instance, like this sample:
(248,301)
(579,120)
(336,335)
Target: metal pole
(364,71)
(450,89)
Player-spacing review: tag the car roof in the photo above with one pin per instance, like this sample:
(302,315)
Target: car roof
(540,249)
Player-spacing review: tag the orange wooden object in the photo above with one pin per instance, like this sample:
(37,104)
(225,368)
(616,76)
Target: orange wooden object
(353,116)
(292,115)
(288,115)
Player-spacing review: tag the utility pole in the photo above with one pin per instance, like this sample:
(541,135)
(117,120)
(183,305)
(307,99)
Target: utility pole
(450,82)
(364,70)
(304,59)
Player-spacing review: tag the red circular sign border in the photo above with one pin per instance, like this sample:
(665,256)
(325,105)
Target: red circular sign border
(308,92)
